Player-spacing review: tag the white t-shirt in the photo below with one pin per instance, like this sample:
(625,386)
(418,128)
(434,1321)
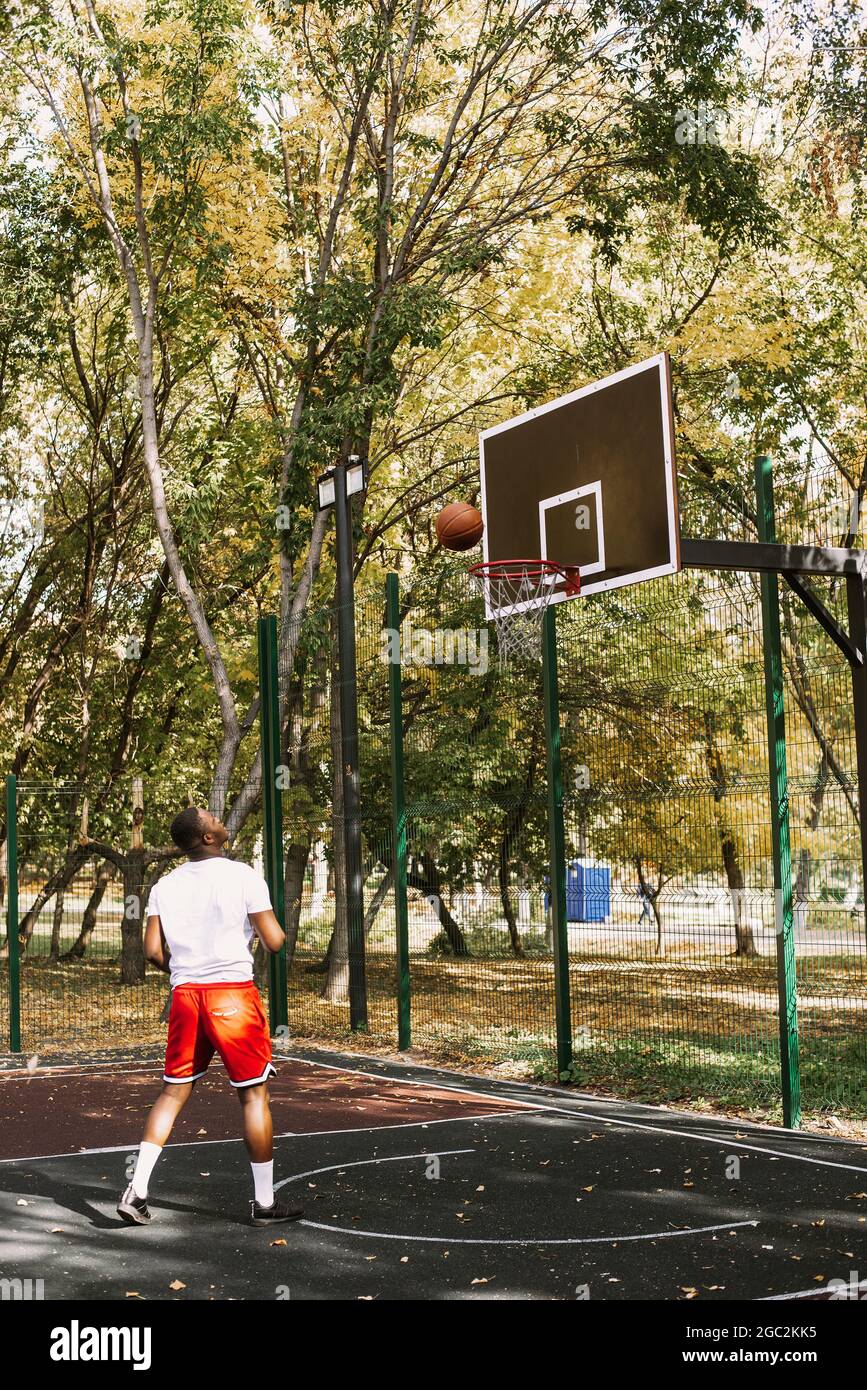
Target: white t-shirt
(203,907)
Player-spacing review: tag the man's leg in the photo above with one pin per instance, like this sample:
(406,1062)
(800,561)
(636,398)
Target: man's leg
(259,1139)
(160,1123)
(165,1110)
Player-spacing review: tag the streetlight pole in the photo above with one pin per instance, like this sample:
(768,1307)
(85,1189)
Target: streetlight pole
(349,746)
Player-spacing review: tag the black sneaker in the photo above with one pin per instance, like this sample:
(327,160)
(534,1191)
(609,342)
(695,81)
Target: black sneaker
(133,1209)
(277,1212)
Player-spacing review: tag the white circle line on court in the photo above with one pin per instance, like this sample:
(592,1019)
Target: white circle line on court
(534,1240)
(482,1240)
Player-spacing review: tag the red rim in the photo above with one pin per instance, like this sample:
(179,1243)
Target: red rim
(515,570)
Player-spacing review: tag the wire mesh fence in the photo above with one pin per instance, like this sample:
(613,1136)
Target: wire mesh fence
(671,905)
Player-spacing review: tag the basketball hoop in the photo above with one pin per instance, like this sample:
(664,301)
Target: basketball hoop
(516,594)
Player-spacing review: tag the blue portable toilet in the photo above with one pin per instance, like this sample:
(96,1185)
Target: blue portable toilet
(588,892)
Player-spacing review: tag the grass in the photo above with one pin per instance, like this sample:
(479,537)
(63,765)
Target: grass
(700,1036)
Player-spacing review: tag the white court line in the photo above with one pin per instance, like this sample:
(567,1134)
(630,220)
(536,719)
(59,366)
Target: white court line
(47,1073)
(62,1073)
(541,1107)
(286,1134)
(481,1240)
(365,1162)
(536,1240)
(814,1293)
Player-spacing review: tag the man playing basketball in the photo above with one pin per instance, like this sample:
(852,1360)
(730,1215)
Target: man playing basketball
(200,924)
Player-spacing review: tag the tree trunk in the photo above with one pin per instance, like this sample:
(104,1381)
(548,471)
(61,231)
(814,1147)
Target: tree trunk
(506,899)
(57,881)
(297,857)
(88,921)
(56,928)
(132,960)
(744,943)
(424,874)
(336,987)
(652,896)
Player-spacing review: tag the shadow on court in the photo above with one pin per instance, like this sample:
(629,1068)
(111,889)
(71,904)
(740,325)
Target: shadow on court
(419,1184)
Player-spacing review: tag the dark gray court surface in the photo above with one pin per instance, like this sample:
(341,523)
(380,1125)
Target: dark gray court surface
(424,1184)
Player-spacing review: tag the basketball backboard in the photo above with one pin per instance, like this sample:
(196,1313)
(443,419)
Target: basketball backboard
(587,480)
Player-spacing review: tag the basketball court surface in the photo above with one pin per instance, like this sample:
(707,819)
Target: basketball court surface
(419,1184)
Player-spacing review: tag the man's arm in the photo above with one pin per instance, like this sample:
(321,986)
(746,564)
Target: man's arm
(268,929)
(155,948)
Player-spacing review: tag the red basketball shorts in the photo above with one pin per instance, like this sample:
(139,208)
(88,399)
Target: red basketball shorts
(223,1018)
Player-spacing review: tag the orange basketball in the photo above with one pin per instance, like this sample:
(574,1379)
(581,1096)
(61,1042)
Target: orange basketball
(459,526)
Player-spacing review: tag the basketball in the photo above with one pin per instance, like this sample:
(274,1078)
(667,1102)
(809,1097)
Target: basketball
(459,526)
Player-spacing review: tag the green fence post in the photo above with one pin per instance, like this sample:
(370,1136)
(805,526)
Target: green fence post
(272,809)
(398,811)
(557,843)
(12,913)
(787,984)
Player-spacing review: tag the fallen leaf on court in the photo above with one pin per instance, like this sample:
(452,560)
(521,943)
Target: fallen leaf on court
(478,1281)
(365,1298)
(690,1293)
(818,1223)
(370,1257)
(587,1189)
(855,1196)
(404,1259)
(21,1203)
(57,1231)
(131,1293)
(204,1175)
(201,1131)
(277,1242)
(689,1184)
(176,1284)
(481,1188)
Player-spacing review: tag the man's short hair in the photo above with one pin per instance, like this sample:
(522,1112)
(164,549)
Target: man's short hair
(187,829)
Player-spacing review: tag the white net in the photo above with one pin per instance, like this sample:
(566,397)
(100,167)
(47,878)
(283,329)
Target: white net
(516,594)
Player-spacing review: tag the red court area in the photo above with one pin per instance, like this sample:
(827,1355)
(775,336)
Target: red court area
(64,1110)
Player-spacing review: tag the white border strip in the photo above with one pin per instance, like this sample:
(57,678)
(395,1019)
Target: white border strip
(596,566)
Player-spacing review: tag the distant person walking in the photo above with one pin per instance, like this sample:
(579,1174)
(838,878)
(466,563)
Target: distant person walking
(646,906)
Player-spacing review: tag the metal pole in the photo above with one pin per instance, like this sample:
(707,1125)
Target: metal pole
(349,743)
(272,810)
(790,1069)
(856,603)
(12,914)
(398,812)
(557,844)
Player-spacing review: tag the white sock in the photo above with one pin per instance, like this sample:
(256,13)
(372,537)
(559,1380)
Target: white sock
(147,1156)
(263,1183)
